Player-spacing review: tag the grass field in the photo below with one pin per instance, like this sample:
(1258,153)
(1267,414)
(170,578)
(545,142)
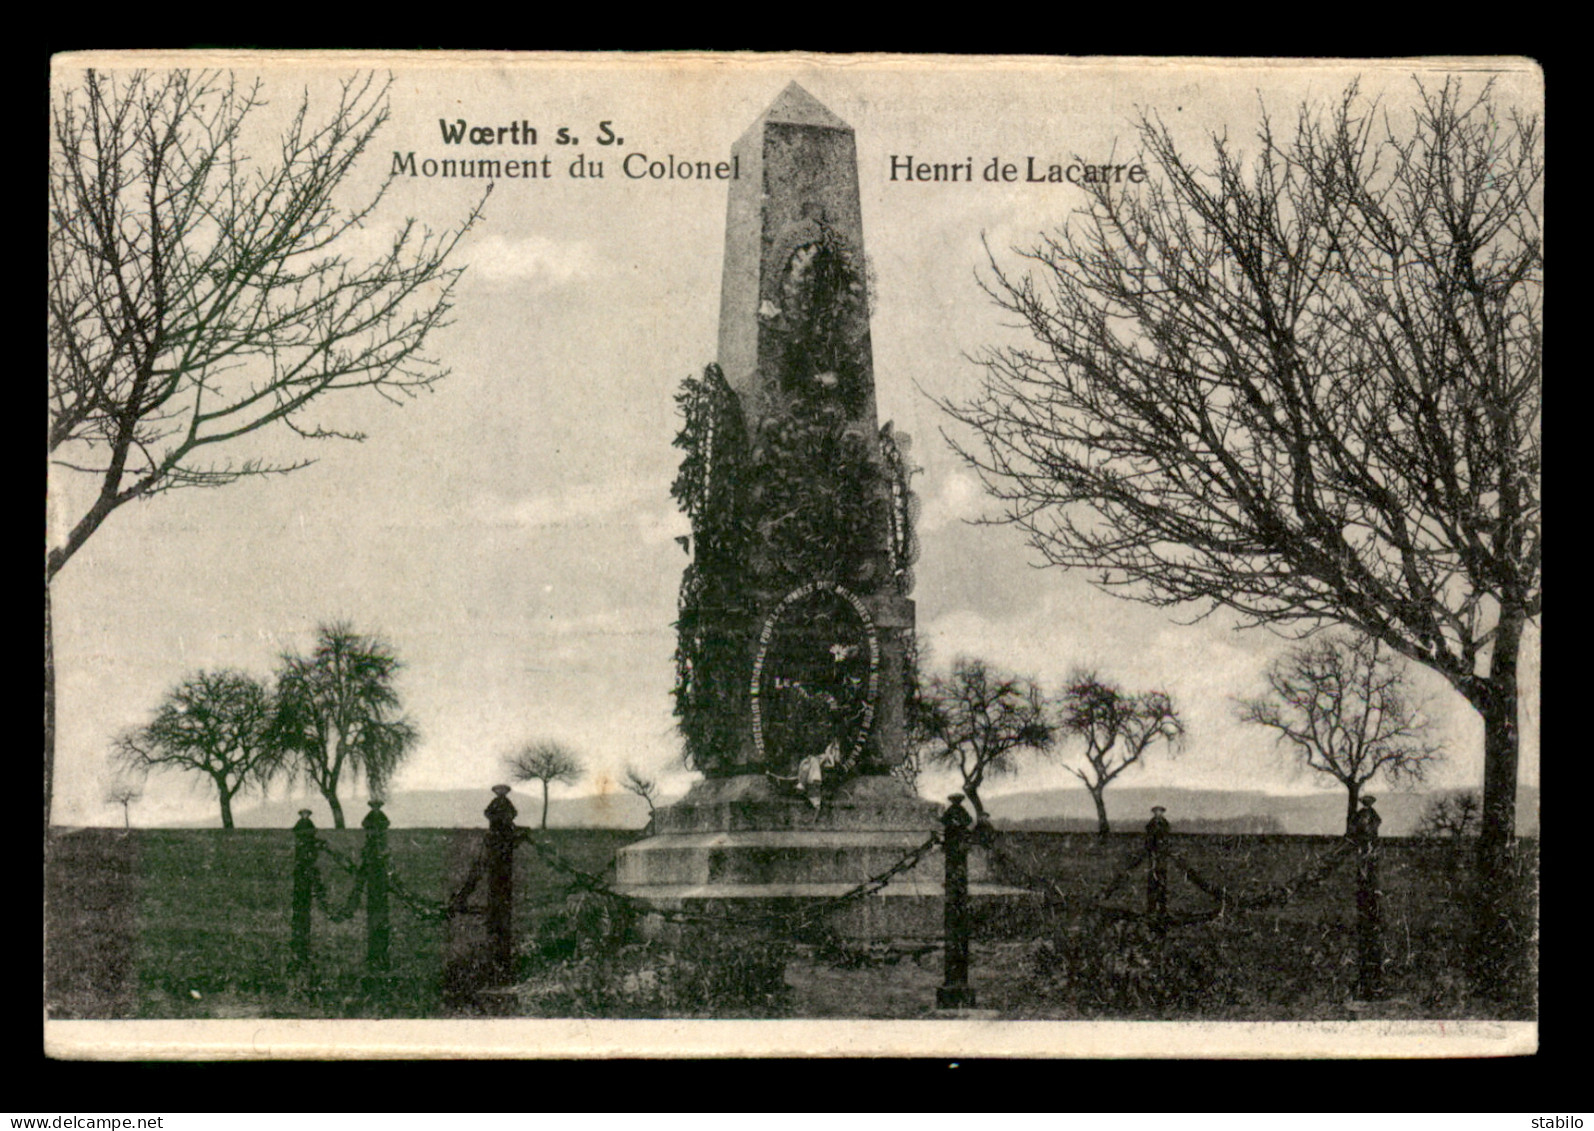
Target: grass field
(174,923)
(195,924)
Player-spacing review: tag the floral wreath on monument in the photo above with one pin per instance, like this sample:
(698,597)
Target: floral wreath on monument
(849,756)
(820,307)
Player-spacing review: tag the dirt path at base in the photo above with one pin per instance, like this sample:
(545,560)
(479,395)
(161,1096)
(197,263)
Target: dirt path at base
(91,925)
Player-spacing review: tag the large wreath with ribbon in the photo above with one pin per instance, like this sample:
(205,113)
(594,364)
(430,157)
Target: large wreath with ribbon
(816,678)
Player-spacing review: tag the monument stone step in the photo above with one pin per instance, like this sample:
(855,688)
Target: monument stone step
(780,857)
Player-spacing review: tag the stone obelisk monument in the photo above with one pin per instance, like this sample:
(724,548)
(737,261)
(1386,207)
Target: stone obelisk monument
(797,627)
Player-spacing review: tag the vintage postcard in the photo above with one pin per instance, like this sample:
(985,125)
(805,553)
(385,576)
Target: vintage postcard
(748,555)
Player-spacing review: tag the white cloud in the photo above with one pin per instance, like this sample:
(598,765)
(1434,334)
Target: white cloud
(535,262)
(957,498)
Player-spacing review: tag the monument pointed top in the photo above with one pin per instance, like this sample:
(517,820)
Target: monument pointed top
(797,107)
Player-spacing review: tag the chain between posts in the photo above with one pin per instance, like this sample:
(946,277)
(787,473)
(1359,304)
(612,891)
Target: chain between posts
(991,840)
(440,911)
(1313,874)
(873,884)
(1117,881)
(319,886)
(427,910)
(988,838)
(352,867)
(458,905)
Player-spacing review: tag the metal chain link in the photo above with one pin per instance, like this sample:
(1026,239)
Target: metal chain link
(350,905)
(436,911)
(427,910)
(992,840)
(457,903)
(352,867)
(587,881)
(1310,876)
(1313,874)
(869,886)
(989,839)
(421,908)
(1117,881)
(1056,899)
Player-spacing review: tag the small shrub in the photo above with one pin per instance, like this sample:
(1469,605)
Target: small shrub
(591,923)
(1125,966)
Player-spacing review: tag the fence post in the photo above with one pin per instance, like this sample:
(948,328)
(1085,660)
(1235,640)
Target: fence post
(304,853)
(955,991)
(1369,913)
(1157,830)
(501,882)
(378,931)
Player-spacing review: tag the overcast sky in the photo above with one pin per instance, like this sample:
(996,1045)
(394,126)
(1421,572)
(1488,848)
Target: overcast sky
(512,534)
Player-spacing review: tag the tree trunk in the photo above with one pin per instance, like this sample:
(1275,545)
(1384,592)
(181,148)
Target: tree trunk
(226,806)
(545,804)
(1502,914)
(1099,797)
(49,710)
(1353,791)
(1497,702)
(127,816)
(337,807)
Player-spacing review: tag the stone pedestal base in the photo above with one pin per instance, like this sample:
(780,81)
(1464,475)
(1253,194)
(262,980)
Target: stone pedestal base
(745,846)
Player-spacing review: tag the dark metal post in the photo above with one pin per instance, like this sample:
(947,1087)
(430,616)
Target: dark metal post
(1157,830)
(378,931)
(501,834)
(955,991)
(1369,912)
(304,853)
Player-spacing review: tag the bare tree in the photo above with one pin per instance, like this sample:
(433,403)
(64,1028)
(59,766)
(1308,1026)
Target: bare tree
(1343,703)
(1304,386)
(199,293)
(216,724)
(911,766)
(338,709)
(546,762)
(1452,817)
(1117,729)
(978,720)
(645,788)
(123,793)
